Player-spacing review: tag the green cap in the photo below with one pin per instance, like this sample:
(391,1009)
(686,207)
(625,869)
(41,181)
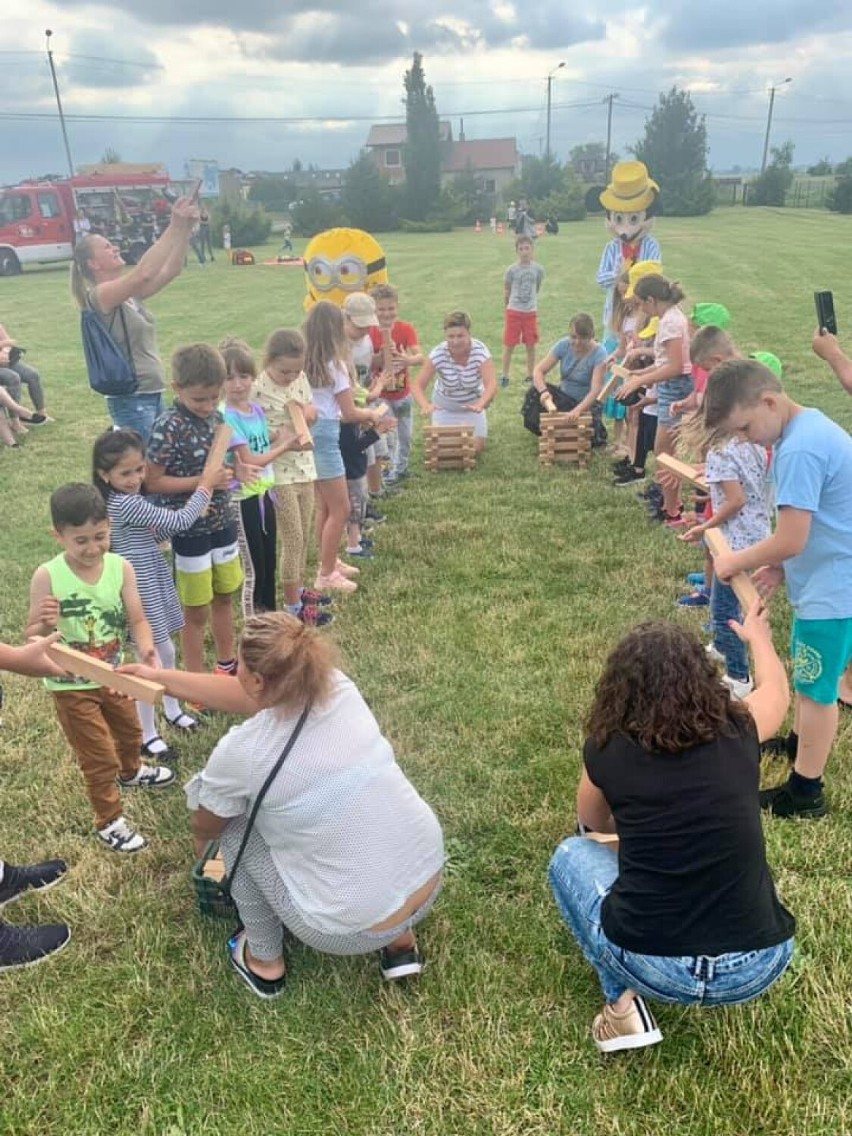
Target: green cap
(769,360)
(705,315)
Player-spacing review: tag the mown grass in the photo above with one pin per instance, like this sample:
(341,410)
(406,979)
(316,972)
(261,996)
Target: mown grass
(477,637)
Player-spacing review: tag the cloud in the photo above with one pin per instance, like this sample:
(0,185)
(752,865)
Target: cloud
(92,61)
(728,23)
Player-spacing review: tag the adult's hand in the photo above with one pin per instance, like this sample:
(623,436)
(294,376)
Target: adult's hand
(32,660)
(185,212)
(755,627)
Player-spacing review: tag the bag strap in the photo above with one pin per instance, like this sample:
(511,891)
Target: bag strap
(126,339)
(128,351)
(297,729)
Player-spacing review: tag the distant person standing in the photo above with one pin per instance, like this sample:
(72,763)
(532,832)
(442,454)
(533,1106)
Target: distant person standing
(521,284)
(511,214)
(205,240)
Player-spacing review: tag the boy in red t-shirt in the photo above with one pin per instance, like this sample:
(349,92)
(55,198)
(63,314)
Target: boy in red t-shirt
(396,349)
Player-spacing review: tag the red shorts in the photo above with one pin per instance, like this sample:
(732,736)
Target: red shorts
(521,327)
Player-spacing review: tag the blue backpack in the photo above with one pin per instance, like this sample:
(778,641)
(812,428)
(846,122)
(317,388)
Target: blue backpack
(110,370)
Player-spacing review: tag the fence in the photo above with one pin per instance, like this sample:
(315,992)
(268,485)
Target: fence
(805,193)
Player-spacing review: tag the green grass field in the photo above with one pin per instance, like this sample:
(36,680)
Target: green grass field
(477,636)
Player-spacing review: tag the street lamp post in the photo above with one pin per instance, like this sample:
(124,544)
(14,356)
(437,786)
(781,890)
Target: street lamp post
(772,91)
(549,86)
(609,100)
(48,34)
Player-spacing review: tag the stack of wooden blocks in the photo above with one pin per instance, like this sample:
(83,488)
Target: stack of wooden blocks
(449,447)
(565,440)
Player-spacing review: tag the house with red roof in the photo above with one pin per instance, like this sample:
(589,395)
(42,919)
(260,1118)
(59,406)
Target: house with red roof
(496,161)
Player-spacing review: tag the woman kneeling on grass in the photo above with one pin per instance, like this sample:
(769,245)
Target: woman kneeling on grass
(685,910)
(343,853)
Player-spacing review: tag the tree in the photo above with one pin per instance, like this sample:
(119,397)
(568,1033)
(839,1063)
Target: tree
(774,183)
(273,193)
(589,159)
(422,158)
(840,198)
(823,168)
(844,169)
(470,202)
(368,201)
(110,157)
(540,177)
(312,214)
(675,151)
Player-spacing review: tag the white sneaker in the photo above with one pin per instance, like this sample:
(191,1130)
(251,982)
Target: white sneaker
(149,777)
(334,583)
(715,655)
(738,687)
(120,837)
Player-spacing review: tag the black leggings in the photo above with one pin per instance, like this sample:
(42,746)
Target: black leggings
(260,533)
(645,438)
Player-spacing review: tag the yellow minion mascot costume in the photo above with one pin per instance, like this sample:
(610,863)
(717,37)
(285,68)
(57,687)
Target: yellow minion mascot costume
(629,202)
(341,261)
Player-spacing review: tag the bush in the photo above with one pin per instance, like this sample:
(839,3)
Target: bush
(771,187)
(840,198)
(248,226)
(434,225)
(687,197)
(314,214)
(568,204)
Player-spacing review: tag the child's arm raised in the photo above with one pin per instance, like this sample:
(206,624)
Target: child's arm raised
(140,628)
(44,610)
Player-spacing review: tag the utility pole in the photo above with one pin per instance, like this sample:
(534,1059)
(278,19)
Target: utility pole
(549,86)
(48,34)
(609,101)
(772,91)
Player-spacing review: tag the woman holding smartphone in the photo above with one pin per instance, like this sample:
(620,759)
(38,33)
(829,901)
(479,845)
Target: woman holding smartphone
(99,282)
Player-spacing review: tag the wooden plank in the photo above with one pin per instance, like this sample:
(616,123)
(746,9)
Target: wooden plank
(604,392)
(744,589)
(300,426)
(548,403)
(682,470)
(219,449)
(214,869)
(94,670)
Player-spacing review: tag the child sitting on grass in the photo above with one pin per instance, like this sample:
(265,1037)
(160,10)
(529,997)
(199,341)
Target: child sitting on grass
(89,595)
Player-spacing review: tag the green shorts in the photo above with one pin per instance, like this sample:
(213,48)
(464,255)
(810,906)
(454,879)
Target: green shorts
(206,565)
(821,650)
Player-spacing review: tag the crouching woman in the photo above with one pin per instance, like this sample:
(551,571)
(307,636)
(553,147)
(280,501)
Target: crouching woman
(343,852)
(685,910)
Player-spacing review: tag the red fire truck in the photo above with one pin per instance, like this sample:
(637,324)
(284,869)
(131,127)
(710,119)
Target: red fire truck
(40,221)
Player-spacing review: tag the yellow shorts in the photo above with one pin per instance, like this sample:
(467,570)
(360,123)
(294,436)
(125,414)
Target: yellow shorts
(207,564)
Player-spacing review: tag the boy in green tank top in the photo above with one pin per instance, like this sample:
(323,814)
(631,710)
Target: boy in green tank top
(89,595)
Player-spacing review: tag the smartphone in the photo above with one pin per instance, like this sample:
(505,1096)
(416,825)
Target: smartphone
(825,312)
(200,182)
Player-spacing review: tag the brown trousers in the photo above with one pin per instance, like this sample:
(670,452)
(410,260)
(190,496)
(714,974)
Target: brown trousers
(294,512)
(103,730)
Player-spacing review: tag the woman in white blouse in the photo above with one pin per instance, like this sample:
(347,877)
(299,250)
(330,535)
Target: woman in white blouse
(465,380)
(343,852)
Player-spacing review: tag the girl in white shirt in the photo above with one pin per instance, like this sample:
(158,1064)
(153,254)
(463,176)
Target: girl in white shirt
(329,373)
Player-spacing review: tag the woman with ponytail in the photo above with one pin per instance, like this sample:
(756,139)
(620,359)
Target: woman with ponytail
(99,282)
(343,853)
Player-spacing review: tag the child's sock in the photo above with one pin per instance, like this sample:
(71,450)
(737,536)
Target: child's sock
(226,666)
(804,786)
(294,609)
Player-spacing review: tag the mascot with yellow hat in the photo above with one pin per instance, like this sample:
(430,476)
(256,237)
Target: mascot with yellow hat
(629,202)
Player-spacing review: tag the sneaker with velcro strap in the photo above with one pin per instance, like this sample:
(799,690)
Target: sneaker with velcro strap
(120,837)
(400,964)
(149,777)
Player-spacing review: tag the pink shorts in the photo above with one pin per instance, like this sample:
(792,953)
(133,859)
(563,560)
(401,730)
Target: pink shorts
(521,327)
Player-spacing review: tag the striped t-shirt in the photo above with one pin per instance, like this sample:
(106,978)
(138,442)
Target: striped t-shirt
(458,384)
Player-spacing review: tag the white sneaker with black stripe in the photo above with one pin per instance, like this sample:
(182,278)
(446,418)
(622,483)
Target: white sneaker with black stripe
(149,777)
(633,1029)
(120,837)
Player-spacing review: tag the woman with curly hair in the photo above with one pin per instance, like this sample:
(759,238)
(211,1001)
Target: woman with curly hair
(683,908)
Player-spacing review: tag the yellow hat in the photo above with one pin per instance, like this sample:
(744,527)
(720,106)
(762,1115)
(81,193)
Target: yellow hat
(631,189)
(637,271)
(651,330)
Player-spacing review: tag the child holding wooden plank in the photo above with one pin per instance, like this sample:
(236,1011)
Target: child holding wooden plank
(810,550)
(89,595)
(207,557)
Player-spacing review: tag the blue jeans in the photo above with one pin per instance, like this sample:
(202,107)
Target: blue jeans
(135,411)
(724,605)
(581,873)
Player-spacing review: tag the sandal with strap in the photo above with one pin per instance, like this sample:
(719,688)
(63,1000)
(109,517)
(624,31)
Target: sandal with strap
(183,722)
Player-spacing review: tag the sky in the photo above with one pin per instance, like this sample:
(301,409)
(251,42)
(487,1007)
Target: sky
(258,84)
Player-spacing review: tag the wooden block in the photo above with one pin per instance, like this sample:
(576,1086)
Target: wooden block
(744,589)
(608,838)
(214,869)
(548,403)
(682,470)
(219,449)
(621,372)
(300,426)
(78,663)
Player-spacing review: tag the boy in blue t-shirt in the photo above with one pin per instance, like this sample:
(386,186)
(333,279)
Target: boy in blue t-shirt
(810,550)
